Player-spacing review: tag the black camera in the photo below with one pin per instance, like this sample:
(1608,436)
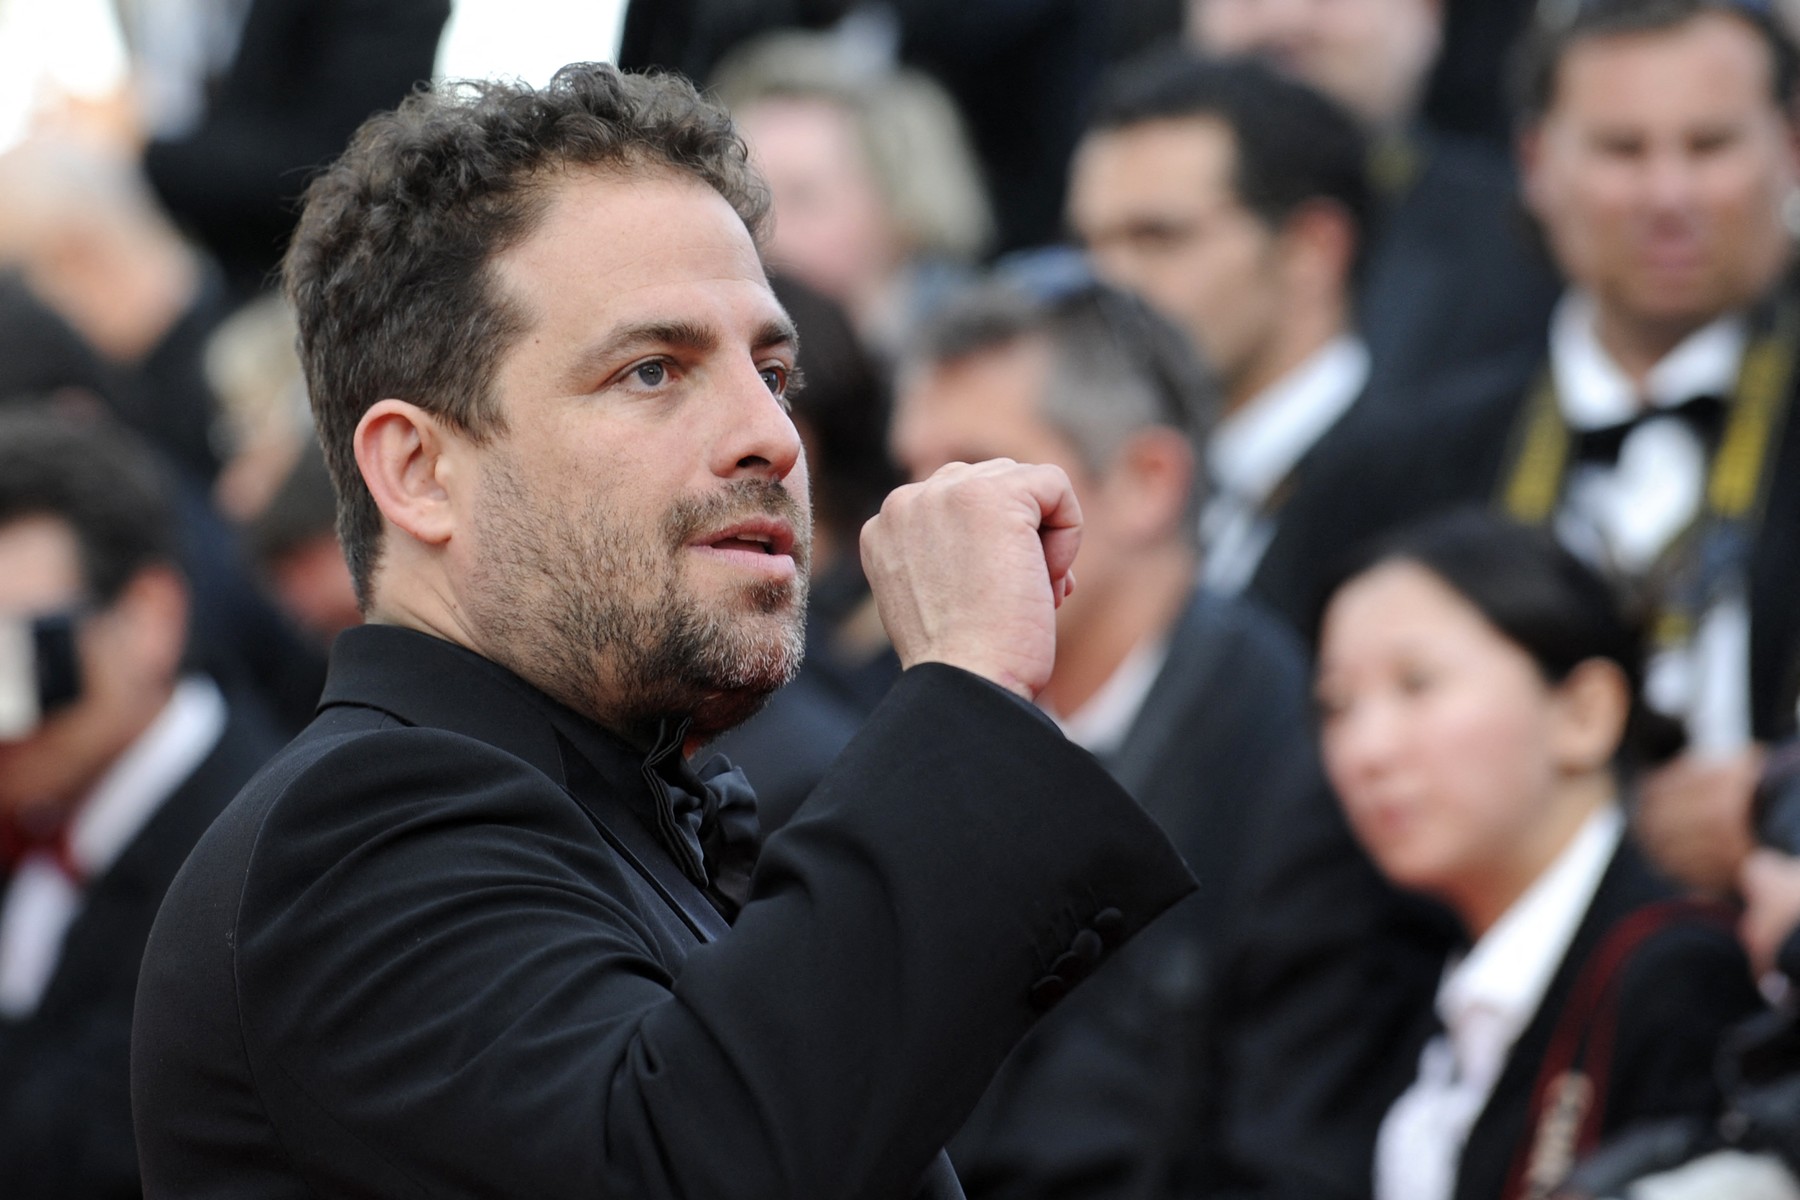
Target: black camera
(39,670)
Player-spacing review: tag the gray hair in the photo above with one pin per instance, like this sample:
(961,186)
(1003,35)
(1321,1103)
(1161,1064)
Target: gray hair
(1117,367)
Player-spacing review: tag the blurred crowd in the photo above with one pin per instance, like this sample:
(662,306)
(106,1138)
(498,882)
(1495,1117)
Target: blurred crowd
(1425,372)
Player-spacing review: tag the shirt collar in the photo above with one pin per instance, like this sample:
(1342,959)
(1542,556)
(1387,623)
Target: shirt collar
(1488,997)
(1254,448)
(1593,392)
(152,767)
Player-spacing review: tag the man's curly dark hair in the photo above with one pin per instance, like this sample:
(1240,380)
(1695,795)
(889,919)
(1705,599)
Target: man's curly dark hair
(390,270)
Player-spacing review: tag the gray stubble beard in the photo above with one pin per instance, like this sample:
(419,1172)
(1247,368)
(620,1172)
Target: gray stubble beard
(544,609)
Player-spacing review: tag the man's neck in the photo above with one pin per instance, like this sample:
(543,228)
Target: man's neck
(1636,345)
(1291,344)
(1143,603)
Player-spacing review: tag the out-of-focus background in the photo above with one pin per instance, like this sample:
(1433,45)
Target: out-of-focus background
(59,52)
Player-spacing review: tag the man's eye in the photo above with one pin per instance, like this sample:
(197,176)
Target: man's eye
(776,379)
(651,374)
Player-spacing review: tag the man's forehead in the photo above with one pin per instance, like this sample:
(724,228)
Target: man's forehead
(1255,16)
(619,244)
(1182,152)
(1000,381)
(1728,54)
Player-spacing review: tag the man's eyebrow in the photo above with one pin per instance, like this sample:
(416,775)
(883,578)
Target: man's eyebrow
(645,335)
(777,331)
(674,334)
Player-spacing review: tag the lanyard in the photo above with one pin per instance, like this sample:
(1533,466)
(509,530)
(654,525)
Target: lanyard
(1711,554)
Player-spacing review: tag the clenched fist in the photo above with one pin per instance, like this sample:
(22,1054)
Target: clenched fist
(969,565)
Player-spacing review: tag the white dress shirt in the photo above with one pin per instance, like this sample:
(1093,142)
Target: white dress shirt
(1624,517)
(1253,451)
(1485,1001)
(1100,725)
(41,901)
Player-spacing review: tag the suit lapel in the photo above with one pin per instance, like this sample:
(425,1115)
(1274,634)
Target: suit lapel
(631,839)
(426,681)
(1506,1125)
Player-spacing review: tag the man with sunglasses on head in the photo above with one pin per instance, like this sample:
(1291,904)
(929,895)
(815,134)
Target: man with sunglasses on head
(112,762)
(1197,703)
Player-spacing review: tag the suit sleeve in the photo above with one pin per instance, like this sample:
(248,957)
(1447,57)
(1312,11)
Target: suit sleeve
(468,994)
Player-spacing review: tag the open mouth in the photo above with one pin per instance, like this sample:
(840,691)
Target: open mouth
(765,536)
(750,542)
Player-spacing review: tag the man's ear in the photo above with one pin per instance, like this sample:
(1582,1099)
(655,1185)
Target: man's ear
(406,458)
(147,624)
(1320,239)
(1148,481)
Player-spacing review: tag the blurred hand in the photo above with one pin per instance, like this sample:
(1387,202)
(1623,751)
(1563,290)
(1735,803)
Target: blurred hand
(1693,817)
(111,124)
(1771,885)
(969,565)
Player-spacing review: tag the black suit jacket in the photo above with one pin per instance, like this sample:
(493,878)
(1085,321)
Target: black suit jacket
(1453,277)
(1173,1045)
(1681,989)
(436,949)
(1345,490)
(65,1112)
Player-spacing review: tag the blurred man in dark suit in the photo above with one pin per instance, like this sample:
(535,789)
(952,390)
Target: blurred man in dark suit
(241,100)
(112,762)
(483,928)
(1236,201)
(1170,685)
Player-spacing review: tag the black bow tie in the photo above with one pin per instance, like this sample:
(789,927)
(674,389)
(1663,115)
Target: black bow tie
(706,820)
(1705,415)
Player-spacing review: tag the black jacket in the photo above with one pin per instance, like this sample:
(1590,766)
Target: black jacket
(65,1110)
(305,75)
(437,949)
(1676,994)
(1170,1052)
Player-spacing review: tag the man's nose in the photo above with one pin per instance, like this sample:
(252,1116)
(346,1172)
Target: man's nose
(1122,264)
(1669,181)
(758,437)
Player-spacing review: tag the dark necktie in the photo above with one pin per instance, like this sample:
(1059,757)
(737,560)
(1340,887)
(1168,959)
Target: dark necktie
(707,820)
(1705,415)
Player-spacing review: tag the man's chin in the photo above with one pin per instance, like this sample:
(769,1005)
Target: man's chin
(721,712)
